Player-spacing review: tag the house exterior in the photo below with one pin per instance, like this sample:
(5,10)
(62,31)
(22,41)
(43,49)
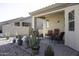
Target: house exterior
(18,26)
(64,16)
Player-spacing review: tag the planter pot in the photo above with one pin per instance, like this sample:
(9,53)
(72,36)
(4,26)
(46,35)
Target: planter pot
(35,50)
(49,53)
(14,41)
(20,42)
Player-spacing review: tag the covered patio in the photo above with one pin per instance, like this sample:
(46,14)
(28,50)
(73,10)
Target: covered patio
(52,21)
(51,24)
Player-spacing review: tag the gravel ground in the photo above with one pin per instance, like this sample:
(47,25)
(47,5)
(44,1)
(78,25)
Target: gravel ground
(12,50)
(7,48)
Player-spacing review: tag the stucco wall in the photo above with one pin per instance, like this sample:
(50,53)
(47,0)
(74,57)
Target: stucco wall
(39,23)
(12,30)
(71,37)
(53,20)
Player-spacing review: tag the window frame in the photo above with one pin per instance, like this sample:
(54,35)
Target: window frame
(17,23)
(25,24)
(71,20)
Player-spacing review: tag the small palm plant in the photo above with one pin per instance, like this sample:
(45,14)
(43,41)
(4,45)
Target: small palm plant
(7,37)
(34,43)
(27,41)
(49,51)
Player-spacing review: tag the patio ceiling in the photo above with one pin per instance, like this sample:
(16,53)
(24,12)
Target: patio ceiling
(47,15)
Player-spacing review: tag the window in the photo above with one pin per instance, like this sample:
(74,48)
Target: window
(47,24)
(71,21)
(25,24)
(71,15)
(17,23)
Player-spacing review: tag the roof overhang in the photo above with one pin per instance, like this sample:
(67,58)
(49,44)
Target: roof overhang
(53,7)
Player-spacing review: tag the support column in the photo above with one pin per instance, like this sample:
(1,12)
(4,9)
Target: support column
(34,23)
(44,28)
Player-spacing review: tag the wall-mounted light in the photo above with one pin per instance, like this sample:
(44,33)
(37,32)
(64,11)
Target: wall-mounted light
(58,21)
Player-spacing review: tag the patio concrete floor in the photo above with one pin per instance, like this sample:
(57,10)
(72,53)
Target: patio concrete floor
(10,49)
(59,49)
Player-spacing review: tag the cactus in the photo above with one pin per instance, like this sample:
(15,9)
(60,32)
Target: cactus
(49,51)
(34,43)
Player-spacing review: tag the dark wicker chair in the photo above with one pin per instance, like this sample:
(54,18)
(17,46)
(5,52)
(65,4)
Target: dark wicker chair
(50,32)
(56,34)
(60,37)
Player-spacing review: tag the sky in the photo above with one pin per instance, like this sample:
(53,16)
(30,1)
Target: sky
(10,9)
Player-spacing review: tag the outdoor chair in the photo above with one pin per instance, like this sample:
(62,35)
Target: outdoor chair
(40,36)
(50,34)
(60,37)
(56,34)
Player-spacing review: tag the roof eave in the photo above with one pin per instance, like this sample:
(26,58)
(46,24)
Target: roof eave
(52,6)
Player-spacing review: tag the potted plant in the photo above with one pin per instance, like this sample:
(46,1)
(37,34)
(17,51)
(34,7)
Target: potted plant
(14,40)
(34,43)
(49,51)
(27,42)
(20,41)
(35,47)
(7,37)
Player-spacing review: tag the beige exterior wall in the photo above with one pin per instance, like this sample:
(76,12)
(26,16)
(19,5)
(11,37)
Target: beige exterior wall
(12,30)
(40,25)
(53,21)
(72,37)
